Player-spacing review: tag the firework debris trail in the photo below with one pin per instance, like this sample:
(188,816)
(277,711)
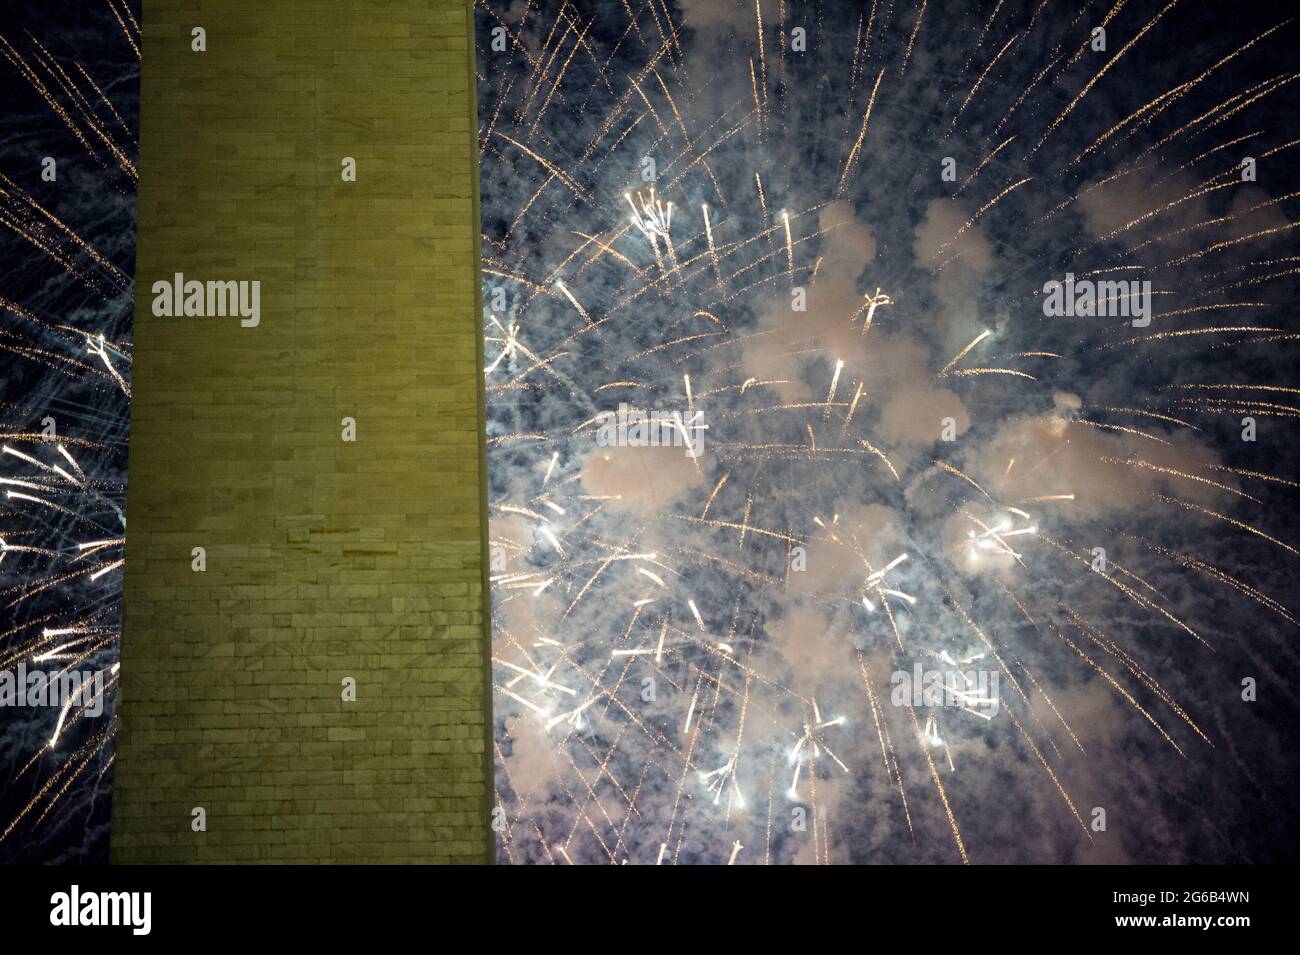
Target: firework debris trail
(682,213)
(66,353)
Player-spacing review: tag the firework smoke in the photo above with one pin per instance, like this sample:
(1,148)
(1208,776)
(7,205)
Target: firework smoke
(739,214)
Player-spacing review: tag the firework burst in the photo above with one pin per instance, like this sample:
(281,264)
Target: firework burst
(66,205)
(825,233)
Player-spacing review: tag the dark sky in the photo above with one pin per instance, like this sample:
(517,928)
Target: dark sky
(1120,692)
(55,801)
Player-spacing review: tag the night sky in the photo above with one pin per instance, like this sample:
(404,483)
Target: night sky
(670,686)
(1118,691)
(54,800)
